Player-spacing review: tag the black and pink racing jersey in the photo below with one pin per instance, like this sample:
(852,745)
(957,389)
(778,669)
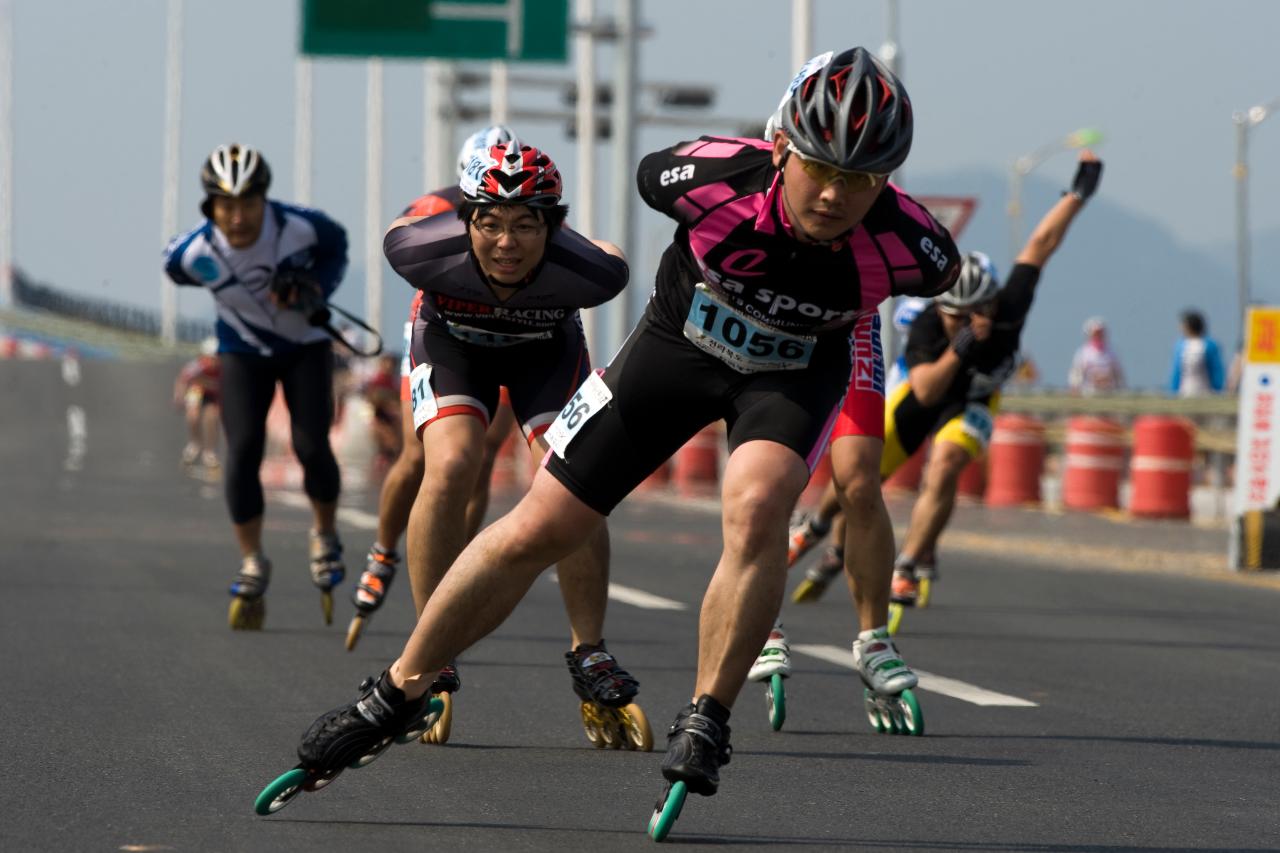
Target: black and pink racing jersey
(434,255)
(735,247)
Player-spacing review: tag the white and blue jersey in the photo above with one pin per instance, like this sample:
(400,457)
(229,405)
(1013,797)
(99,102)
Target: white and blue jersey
(292,238)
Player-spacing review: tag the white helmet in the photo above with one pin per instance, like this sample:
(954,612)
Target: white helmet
(907,312)
(486,139)
(977,284)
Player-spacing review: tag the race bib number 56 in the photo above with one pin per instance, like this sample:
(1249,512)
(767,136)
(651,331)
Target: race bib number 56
(593,396)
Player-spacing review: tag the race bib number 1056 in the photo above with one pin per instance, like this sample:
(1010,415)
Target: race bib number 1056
(593,396)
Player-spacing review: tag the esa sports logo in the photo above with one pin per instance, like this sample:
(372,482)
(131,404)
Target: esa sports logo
(933,253)
(675,175)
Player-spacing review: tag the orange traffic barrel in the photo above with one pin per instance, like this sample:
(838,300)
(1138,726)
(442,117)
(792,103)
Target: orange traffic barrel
(1094,464)
(1015,461)
(973,479)
(907,477)
(697,468)
(1160,471)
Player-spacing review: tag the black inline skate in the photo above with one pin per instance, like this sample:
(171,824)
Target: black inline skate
(352,735)
(697,747)
(609,716)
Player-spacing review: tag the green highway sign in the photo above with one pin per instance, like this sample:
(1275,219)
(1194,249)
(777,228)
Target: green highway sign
(514,30)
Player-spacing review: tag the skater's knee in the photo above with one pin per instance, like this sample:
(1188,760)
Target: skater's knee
(754,513)
(452,468)
(946,463)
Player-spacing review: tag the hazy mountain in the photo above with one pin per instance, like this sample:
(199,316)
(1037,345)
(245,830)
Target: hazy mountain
(1264,260)
(1115,264)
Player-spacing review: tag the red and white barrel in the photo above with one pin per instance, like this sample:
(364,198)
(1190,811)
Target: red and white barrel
(1015,461)
(1160,471)
(697,466)
(1095,454)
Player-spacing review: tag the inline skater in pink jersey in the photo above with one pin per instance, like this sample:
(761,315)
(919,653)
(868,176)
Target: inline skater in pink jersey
(781,253)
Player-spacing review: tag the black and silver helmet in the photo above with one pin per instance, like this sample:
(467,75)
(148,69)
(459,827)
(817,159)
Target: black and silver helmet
(976,285)
(235,170)
(850,111)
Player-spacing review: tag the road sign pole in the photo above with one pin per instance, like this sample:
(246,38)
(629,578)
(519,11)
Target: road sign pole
(499,91)
(302,130)
(584,206)
(172,141)
(624,115)
(373,196)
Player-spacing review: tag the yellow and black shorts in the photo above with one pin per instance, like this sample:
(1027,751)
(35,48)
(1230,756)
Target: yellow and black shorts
(908,424)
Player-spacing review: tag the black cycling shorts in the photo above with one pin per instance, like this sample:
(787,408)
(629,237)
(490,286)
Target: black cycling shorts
(465,377)
(665,389)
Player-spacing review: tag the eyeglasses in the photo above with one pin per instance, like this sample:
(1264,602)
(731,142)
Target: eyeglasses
(985,309)
(520,231)
(824,174)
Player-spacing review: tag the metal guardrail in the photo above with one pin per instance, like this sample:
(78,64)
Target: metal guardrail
(127,345)
(1214,416)
(1119,405)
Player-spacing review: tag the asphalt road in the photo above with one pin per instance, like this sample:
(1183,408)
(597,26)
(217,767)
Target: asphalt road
(1132,711)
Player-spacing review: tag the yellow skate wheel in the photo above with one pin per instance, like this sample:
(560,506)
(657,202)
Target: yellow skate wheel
(635,728)
(326,605)
(895,617)
(806,592)
(611,729)
(439,732)
(246,614)
(353,631)
(922,596)
(591,724)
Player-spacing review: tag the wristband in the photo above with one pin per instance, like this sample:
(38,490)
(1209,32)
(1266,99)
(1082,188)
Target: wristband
(1088,176)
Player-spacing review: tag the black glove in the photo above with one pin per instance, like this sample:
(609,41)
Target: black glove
(1088,175)
(296,289)
(964,342)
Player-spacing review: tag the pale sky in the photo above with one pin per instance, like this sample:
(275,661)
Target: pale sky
(990,80)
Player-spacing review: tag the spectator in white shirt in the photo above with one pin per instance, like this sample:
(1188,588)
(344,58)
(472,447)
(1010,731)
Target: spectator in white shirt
(1095,367)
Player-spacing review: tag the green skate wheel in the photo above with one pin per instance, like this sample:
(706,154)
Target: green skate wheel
(895,617)
(667,810)
(777,698)
(435,708)
(924,593)
(912,716)
(277,795)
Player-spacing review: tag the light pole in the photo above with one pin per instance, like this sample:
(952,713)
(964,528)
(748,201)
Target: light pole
(1081,138)
(1244,121)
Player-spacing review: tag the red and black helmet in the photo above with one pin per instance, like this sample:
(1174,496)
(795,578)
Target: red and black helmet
(512,173)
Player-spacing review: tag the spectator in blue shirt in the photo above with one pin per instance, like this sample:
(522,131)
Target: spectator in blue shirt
(1197,360)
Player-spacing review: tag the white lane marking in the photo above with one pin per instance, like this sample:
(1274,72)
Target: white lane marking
(358,518)
(636,597)
(928,681)
(354,517)
(640,598)
(369,521)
